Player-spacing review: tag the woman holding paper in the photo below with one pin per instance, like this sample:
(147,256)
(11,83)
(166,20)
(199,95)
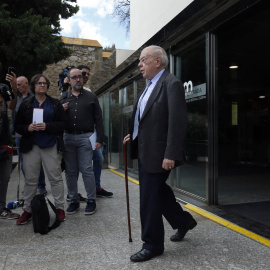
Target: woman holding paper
(41,122)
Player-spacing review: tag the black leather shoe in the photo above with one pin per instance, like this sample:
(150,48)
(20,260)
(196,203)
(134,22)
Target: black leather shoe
(144,255)
(180,234)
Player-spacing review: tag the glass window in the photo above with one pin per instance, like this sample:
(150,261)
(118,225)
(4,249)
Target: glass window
(189,67)
(127,109)
(115,128)
(129,98)
(106,118)
(243,116)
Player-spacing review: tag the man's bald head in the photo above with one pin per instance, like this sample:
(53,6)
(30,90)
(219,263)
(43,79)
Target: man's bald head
(22,85)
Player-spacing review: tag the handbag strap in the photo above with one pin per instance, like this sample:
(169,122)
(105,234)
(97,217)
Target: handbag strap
(57,222)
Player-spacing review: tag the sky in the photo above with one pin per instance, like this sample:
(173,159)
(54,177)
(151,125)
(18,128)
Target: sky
(93,22)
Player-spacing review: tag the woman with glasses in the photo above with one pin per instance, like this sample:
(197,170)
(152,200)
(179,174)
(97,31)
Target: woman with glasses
(41,121)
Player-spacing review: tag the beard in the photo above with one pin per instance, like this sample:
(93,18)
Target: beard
(77,87)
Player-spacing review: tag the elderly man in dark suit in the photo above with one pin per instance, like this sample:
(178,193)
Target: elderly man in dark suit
(158,128)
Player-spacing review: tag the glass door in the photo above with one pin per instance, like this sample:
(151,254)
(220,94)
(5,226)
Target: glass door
(243,115)
(115,140)
(189,65)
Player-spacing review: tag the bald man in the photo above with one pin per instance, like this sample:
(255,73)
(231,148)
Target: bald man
(158,129)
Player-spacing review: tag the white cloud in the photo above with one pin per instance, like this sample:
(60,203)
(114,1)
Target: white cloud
(82,29)
(102,7)
(89,20)
(89,3)
(90,31)
(80,13)
(67,25)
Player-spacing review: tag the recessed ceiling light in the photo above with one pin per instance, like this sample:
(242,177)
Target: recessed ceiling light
(233,67)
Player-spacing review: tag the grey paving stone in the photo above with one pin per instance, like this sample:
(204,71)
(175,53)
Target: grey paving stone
(101,241)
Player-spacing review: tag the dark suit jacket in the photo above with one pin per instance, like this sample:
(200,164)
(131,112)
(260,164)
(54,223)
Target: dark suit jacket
(162,127)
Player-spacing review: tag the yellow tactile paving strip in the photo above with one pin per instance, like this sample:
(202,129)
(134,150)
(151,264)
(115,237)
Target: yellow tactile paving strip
(215,218)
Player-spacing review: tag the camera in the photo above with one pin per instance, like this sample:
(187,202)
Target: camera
(63,86)
(6,93)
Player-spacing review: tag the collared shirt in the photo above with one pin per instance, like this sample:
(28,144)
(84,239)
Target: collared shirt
(20,98)
(86,88)
(149,91)
(84,113)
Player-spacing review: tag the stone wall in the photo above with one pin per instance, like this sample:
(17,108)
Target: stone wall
(81,55)
(107,73)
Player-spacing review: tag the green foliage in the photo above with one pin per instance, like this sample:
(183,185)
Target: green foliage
(29,31)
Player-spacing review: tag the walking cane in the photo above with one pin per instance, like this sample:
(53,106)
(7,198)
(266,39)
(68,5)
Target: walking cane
(127,195)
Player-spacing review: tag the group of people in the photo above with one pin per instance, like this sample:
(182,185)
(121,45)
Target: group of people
(43,127)
(157,133)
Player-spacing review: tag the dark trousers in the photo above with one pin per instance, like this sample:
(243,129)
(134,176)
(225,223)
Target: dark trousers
(156,200)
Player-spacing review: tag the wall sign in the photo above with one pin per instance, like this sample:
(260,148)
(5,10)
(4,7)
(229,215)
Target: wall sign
(193,93)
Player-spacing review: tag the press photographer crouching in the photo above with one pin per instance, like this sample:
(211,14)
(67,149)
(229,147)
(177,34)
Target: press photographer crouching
(8,99)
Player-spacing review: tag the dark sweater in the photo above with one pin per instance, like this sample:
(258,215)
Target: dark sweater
(24,118)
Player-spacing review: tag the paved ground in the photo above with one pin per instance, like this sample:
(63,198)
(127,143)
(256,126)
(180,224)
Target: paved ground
(100,241)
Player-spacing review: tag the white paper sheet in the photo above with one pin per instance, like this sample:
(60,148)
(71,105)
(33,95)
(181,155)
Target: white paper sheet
(93,140)
(38,115)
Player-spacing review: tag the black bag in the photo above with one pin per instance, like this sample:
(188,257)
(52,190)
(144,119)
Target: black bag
(41,215)
(3,153)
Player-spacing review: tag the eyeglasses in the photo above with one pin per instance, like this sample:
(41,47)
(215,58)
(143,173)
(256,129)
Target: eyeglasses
(41,83)
(75,78)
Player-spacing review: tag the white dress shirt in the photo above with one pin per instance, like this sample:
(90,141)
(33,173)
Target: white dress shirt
(149,91)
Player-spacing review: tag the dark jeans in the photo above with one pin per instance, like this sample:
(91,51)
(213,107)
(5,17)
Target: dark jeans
(97,165)
(5,171)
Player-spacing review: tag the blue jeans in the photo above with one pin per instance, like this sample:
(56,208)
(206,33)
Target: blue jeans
(97,166)
(41,180)
(78,157)
(5,171)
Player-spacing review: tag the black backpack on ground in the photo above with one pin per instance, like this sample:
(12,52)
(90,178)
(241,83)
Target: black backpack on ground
(41,215)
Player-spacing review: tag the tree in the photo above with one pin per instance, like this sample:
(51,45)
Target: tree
(122,13)
(29,31)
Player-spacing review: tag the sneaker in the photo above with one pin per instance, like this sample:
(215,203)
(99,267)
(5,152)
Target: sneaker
(24,218)
(42,191)
(73,207)
(61,214)
(91,207)
(6,213)
(81,198)
(102,193)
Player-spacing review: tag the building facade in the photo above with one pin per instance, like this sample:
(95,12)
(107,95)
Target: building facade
(83,52)
(219,50)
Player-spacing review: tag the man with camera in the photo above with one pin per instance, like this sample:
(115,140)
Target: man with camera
(8,99)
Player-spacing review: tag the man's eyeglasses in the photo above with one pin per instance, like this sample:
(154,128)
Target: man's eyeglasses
(75,78)
(41,83)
